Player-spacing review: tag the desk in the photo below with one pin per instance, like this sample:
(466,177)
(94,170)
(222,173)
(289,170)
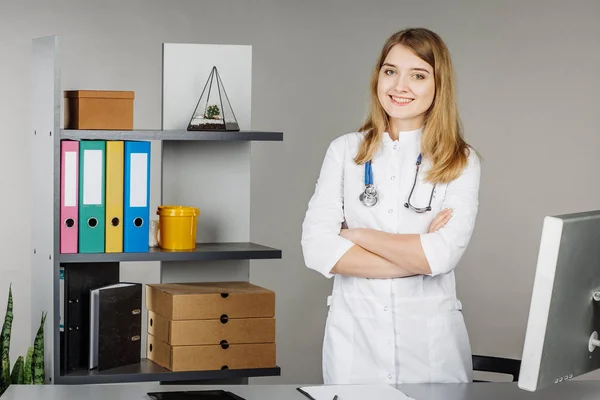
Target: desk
(574,390)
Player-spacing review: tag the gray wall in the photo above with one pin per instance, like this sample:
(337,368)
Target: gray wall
(527,79)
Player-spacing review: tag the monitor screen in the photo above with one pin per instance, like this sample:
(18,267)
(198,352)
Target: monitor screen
(564,316)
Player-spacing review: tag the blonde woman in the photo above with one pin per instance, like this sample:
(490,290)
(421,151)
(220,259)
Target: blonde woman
(393,211)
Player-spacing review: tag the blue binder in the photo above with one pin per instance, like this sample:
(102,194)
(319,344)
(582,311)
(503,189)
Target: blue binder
(136,207)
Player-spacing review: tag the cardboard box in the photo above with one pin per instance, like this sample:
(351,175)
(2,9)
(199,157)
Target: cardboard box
(97,109)
(211,357)
(210,300)
(211,331)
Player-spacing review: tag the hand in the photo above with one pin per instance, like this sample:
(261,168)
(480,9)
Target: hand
(440,220)
(348,234)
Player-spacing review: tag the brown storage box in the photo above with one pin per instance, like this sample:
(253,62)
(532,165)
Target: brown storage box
(96,109)
(210,300)
(211,357)
(211,331)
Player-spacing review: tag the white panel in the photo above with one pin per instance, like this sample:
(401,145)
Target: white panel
(138,184)
(186,69)
(213,176)
(92,176)
(70,179)
(212,271)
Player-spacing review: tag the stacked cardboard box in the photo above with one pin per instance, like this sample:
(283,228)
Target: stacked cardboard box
(211,326)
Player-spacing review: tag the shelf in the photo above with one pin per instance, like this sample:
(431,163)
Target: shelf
(190,161)
(171,135)
(202,252)
(147,371)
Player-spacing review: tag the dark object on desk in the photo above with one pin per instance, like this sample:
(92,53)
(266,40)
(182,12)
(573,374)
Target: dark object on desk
(310,397)
(116,338)
(306,394)
(498,365)
(196,395)
(79,279)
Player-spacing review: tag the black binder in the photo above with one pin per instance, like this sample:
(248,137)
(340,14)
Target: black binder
(116,325)
(79,279)
(195,395)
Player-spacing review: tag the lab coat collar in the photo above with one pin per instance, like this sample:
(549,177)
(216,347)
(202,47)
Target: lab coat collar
(404,138)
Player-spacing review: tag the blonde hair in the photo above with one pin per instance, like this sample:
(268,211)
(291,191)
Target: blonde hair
(442,140)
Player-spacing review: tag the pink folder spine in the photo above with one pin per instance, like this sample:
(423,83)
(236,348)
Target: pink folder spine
(68,235)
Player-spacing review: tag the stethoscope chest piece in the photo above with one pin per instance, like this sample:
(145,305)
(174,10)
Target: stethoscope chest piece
(369,196)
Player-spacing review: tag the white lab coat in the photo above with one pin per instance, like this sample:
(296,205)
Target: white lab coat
(404,330)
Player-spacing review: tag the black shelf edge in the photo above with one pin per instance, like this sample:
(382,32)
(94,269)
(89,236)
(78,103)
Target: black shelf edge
(148,371)
(170,135)
(202,252)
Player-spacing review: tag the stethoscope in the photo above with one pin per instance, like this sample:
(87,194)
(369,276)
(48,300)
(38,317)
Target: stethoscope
(370,196)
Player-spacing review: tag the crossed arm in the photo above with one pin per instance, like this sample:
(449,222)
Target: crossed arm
(378,254)
(374,254)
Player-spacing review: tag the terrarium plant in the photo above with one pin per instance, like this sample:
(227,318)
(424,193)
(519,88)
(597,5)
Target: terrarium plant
(212,112)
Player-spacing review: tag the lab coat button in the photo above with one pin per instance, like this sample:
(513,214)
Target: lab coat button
(390,376)
(393,177)
(390,211)
(395,146)
(385,308)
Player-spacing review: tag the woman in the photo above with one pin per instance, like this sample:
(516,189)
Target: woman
(393,211)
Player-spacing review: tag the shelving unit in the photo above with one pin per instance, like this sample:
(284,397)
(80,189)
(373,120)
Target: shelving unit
(190,163)
(174,134)
(202,252)
(147,371)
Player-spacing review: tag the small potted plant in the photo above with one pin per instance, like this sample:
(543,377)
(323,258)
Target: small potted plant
(213,112)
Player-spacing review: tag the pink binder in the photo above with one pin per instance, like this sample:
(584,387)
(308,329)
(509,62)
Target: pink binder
(69,195)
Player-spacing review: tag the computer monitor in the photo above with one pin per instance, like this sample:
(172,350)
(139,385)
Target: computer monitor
(564,315)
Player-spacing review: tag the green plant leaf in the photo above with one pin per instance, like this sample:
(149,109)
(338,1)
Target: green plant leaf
(38,354)
(16,377)
(5,343)
(28,369)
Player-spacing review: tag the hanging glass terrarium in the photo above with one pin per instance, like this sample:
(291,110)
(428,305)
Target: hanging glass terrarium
(213,111)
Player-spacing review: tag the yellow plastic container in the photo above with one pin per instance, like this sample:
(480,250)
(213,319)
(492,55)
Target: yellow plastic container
(177,227)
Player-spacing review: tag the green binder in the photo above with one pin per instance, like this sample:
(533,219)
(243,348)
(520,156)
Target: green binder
(92,177)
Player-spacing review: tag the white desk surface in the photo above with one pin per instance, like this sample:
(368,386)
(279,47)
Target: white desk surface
(573,390)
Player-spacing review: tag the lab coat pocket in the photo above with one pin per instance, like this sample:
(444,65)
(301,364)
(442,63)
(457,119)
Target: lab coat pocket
(413,349)
(450,348)
(338,346)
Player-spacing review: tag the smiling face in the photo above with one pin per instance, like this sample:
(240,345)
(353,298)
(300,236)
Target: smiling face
(405,89)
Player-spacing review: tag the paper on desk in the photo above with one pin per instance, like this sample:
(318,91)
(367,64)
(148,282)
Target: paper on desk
(354,392)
